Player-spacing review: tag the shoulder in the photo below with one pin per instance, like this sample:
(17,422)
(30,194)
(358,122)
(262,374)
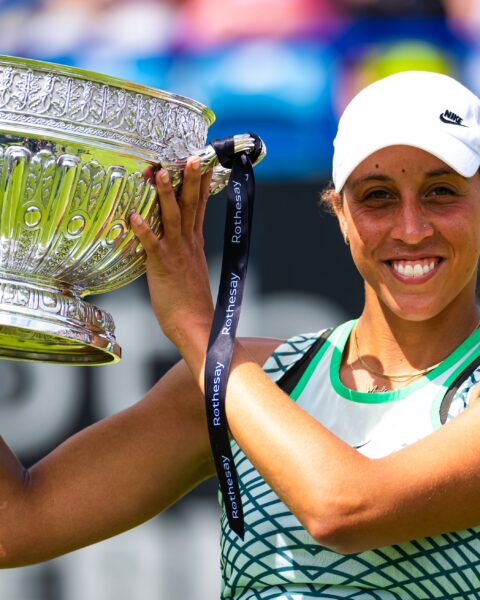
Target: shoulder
(261,349)
(277,356)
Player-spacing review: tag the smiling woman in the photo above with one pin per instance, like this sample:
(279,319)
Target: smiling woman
(360,462)
(357,448)
(407,197)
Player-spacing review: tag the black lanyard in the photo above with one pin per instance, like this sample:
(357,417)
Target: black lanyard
(241,193)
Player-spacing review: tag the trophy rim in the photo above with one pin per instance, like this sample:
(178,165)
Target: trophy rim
(73,346)
(116,82)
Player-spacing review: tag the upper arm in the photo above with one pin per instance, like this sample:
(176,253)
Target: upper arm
(111,476)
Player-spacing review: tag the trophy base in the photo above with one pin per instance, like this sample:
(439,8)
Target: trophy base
(55,327)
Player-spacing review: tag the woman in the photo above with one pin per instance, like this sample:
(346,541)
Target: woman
(373,484)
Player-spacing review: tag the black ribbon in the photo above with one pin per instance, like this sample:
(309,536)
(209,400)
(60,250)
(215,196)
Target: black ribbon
(241,193)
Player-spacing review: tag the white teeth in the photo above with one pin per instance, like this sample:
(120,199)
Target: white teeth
(414,269)
(417,270)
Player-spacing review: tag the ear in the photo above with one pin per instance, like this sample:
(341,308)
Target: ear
(342,222)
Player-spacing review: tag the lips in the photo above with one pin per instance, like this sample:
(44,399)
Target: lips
(415,269)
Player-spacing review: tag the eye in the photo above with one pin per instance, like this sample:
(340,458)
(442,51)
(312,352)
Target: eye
(377,197)
(441,194)
(377,194)
(441,190)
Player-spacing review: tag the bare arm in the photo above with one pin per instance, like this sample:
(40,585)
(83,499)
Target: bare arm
(108,478)
(346,501)
(111,476)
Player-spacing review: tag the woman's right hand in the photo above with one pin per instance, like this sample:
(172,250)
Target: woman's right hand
(177,271)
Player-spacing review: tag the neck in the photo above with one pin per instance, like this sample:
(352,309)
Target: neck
(395,345)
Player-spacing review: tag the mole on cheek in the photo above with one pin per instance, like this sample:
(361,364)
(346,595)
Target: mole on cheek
(403,170)
(376,166)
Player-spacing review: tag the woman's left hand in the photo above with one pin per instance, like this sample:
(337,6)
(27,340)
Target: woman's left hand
(177,271)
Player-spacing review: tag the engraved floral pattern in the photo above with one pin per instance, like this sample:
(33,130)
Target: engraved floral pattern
(91,108)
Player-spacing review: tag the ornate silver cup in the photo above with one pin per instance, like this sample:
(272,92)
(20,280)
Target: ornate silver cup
(73,148)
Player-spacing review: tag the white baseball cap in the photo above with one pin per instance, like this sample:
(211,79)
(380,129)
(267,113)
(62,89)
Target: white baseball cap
(427,110)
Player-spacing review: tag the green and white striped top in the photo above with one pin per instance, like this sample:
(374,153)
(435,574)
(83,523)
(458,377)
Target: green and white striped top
(279,560)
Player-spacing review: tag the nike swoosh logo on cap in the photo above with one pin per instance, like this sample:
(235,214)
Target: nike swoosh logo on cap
(451,118)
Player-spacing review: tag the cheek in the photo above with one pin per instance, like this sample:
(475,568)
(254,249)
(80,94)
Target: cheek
(365,238)
(362,252)
(463,235)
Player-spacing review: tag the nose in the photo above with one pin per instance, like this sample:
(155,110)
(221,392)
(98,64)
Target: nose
(410,223)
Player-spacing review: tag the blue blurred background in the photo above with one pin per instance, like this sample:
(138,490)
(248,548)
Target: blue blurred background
(283,69)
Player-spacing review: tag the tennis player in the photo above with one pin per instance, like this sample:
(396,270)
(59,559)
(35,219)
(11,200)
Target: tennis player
(357,448)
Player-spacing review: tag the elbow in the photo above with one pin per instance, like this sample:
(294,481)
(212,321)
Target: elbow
(337,536)
(342,525)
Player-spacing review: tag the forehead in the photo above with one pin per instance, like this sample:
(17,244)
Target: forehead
(396,160)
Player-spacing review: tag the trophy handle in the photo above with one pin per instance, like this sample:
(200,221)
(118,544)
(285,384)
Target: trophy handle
(209,160)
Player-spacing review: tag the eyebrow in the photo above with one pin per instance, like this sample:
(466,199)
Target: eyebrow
(386,179)
(371,177)
(443,171)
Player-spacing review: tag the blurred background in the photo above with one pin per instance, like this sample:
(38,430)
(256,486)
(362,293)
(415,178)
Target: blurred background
(283,69)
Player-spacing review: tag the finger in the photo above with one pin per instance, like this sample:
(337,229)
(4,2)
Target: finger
(202,204)
(148,174)
(190,194)
(171,218)
(144,233)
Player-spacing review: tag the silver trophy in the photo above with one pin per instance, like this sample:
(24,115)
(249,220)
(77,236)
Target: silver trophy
(73,148)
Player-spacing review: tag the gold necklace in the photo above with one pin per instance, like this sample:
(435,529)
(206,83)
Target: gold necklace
(401,377)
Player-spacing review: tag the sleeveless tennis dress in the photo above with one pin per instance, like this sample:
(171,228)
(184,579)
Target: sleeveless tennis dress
(279,560)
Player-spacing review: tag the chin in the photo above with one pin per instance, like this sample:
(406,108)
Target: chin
(416,309)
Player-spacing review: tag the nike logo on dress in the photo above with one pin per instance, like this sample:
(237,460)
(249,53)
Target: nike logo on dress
(451,118)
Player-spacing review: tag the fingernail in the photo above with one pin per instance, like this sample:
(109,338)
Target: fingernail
(136,218)
(164,176)
(195,163)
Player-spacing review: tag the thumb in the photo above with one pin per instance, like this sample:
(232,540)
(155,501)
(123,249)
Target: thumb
(144,233)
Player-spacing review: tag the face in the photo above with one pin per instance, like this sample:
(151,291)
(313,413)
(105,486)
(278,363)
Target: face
(413,225)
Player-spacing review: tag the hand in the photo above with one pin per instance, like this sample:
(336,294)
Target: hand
(177,271)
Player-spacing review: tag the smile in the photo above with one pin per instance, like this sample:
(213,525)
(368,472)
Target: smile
(415,269)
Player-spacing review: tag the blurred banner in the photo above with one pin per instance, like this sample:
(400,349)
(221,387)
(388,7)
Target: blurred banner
(283,69)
